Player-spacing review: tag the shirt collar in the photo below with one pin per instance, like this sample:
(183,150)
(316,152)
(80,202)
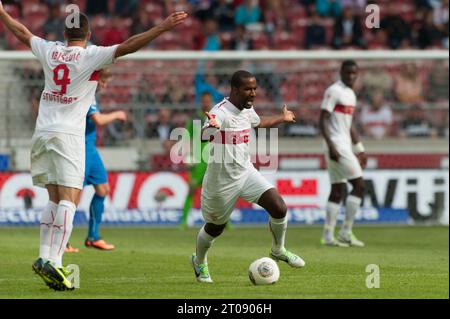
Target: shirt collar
(231,107)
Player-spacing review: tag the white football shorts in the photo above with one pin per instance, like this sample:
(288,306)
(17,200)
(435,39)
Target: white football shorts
(218,204)
(346,169)
(58,159)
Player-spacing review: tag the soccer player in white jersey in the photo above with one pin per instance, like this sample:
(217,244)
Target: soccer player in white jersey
(58,147)
(230,173)
(345,156)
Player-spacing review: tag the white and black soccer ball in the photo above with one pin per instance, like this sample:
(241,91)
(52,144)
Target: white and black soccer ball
(264,271)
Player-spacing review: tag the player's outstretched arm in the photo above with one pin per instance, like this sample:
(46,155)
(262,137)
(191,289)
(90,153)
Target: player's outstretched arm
(18,29)
(104,119)
(141,40)
(270,121)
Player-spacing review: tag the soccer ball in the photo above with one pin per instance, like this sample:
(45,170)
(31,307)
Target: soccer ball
(264,271)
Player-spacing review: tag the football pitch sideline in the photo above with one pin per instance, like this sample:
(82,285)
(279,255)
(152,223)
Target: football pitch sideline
(397,262)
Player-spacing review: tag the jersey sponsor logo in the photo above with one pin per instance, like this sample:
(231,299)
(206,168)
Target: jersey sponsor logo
(58,98)
(346,109)
(231,137)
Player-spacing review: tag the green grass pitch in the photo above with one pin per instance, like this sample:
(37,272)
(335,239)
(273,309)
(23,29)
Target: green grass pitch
(155,263)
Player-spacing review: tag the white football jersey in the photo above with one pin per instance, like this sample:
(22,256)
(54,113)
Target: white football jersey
(229,158)
(340,101)
(71,75)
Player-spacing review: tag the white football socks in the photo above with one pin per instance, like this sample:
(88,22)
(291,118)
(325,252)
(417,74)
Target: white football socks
(351,208)
(46,223)
(278,228)
(62,228)
(330,220)
(204,242)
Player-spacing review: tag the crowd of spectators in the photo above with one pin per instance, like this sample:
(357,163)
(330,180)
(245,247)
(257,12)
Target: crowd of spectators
(250,24)
(391,103)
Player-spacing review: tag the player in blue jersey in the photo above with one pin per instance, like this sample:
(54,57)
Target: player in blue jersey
(95,172)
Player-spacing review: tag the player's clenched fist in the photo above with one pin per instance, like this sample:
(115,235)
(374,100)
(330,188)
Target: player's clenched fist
(288,115)
(212,121)
(173,20)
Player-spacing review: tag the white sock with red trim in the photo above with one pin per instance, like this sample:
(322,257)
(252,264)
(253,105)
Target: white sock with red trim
(46,222)
(278,228)
(62,228)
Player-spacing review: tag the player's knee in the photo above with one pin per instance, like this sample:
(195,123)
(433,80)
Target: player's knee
(280,210)
(336,195)
(358,188)
(214,230)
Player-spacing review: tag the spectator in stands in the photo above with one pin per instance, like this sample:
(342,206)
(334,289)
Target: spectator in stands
(144,103)
(241,40)
(428,34)
(175,92)
(327,8)
(177,5)
(443,130)
(440,14)
(94,7)
(409,85)
(416,124)
(376,118)
(202,9)
(305,124)
(125,8)
(396,28)
(163,126)
(378,39)
(358,6)
(141,23)
(115,34)
(206,82)
(247,13)
(54,26)
(273,16)
(209,39)
(438,80)
(348,30)
(315,35)
(377,80)
(223,13)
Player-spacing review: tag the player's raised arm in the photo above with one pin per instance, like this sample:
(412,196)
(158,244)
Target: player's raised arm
(270,121)
(141,40)
(18,29)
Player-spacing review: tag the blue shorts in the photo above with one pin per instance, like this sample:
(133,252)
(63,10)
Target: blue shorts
(95,172)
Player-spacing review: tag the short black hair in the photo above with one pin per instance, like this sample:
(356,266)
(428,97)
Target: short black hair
(77,34)
(348,63)
(236,79)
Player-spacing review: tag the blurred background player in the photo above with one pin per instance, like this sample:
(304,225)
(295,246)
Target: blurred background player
(58,145)
(343,165)
(232,175)
(95,172)
(198,169)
